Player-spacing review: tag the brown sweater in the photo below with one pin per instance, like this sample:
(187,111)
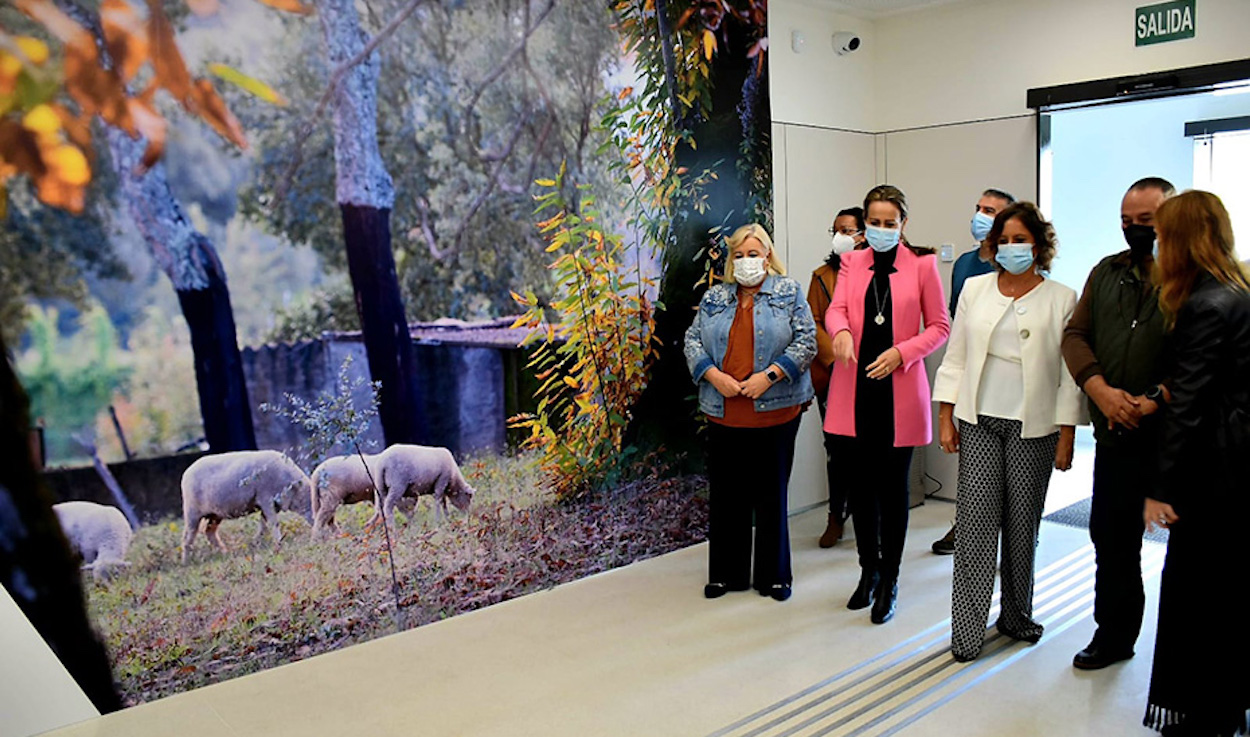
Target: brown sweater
(739,363)
(819,295)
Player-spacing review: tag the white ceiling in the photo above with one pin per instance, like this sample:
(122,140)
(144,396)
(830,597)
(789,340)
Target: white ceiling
(878,8)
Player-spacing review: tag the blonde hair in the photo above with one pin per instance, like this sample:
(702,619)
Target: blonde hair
(756,231)
(1195,235)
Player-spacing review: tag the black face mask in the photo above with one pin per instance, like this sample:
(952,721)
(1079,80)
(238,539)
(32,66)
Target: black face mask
(1140,239)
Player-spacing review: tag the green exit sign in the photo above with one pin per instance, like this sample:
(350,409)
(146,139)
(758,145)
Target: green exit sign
(1165,22)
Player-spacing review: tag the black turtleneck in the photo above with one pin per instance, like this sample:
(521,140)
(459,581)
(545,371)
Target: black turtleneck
(874,398)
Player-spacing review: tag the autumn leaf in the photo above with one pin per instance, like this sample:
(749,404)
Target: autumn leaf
(569,380)
(290,6)
(248,84)
(167,62)
(151,126)
(709,44)
(209,106)
(125,36)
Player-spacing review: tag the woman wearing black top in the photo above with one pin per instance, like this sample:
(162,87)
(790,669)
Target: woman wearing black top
(1200,681)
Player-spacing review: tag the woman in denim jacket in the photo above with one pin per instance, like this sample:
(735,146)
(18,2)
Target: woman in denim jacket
(748,350)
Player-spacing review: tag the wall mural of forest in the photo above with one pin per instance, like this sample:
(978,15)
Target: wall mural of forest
(271,272)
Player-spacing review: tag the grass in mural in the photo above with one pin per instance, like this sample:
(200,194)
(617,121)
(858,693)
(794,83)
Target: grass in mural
(171,628)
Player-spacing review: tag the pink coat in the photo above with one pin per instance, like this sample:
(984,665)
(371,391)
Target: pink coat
(916,291)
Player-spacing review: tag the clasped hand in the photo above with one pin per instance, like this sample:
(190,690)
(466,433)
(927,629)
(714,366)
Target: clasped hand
(844,352)
(753,388)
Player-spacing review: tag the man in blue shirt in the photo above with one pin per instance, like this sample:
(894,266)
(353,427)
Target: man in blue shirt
(974,262)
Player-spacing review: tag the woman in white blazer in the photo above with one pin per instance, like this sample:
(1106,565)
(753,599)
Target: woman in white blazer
(1004,382)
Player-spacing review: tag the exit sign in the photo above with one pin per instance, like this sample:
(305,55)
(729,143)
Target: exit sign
(1156,24)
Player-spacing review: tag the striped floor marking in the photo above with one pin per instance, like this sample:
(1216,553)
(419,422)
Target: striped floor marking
(888,692)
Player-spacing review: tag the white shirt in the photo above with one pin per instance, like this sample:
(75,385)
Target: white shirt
(1048,396)
(1002,376)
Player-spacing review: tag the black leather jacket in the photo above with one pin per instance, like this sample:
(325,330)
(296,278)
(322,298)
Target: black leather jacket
(1205,424)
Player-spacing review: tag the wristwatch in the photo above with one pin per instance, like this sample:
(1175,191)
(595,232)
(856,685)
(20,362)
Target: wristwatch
(1155,394)
(772,375)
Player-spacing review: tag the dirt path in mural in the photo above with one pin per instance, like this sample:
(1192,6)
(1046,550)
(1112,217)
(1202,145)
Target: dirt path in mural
(171,628)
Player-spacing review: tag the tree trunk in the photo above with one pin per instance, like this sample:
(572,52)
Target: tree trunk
(189,260)
(365,195)
(666,412)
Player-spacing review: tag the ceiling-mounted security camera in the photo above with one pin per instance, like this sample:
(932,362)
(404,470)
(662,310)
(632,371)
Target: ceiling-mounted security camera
(844,42)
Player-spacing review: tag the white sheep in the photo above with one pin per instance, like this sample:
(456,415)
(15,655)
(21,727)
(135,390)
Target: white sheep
(337,481)
(416,470)
(235,484)
(98,533)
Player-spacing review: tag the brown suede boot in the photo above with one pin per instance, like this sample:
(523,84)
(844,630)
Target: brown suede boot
(833,533)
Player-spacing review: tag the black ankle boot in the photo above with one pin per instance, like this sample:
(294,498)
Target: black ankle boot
(887,600)
(862,597)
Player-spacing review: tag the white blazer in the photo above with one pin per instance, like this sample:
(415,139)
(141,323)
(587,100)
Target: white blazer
(1051,397)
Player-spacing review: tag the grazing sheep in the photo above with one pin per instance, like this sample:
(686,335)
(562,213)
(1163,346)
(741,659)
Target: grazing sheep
(230,485)
(98,533)
(337,481)
(415,470)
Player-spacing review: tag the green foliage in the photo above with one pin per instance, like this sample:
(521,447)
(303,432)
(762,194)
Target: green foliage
(325,309)
(462,235)
(156,406)
(70,380)
(594,362)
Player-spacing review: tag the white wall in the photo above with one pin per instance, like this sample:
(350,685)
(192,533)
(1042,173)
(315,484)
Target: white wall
(976,59)
(816,172)
(818,87)
(37,694)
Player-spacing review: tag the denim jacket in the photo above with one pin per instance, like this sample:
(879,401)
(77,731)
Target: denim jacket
(785,334)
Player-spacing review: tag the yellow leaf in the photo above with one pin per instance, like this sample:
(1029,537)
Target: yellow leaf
(545,182)
(33,48)
(555,246)
(709,43)
(42,120)
(248,84)
(570,381)
(68,165)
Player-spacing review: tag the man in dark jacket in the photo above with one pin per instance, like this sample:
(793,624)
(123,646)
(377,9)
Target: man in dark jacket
(1114,346)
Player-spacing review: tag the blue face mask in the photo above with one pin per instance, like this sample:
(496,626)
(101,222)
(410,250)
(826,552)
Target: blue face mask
(1015,257)
(981,224)
(881,239)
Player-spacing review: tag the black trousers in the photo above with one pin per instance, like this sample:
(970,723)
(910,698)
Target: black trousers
(1121,477)
(877,494)
(837,489)
(748,473)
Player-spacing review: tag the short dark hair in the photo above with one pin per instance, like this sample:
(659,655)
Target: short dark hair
(855,212)
(1158,183)
(1039,227)
(1000,194)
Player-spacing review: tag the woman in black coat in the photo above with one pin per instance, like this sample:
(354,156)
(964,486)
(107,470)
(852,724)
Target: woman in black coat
(1200,682)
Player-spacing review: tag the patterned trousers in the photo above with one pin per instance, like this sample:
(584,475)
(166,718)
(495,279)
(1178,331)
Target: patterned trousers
(1002,488)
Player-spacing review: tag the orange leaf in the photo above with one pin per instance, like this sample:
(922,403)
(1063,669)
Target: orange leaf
(209,106)
(151,126)
(171,70)
(58,23)
(290,6)
(125,36)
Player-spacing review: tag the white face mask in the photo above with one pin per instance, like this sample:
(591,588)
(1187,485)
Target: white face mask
(750,271)
(843,243)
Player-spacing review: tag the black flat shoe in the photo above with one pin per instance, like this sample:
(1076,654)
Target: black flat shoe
(717,590)
(1096,657)
(779,592)
(864,592)
(964,657)
(887,601)
(1030,637)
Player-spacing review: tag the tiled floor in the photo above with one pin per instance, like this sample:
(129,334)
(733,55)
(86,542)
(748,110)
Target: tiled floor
(639,651)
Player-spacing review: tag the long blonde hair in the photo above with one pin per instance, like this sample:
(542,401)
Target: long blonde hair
(756,231)
(1195,235)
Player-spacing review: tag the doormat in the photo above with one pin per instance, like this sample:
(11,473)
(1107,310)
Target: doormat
(1077,515)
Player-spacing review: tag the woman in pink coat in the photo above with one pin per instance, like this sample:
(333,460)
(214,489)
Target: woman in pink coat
(888,313)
